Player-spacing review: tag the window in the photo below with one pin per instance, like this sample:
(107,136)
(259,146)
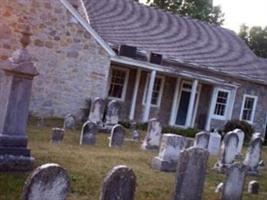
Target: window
(248,108)
(220,109)
(157,91)
(118,83)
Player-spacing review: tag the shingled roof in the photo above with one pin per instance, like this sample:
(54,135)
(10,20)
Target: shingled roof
(184,39)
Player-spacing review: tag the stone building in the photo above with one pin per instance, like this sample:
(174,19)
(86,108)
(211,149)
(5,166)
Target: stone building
(183,71)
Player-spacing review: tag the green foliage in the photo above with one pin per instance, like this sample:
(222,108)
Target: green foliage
(243,125)
(190,132)
(199,9)
(256,39)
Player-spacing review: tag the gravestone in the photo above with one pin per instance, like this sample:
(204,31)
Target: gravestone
(135,133)
(47,182)
(241,137)
(219,188)
(119,184)
(117,136)
(253,156)
(190,174)
(169,153)
(253,187)
(88,133)
(214,143)
(14,106)
(202,140)
(69,121)
(112,115)
(228,151)
(97,111)
(57,135)
(153,136)
(234,182)
(255,135)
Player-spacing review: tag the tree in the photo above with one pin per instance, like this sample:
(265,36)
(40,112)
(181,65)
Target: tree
(256,39)
(199,9)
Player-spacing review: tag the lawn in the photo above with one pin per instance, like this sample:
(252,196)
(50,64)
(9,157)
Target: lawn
(88,165)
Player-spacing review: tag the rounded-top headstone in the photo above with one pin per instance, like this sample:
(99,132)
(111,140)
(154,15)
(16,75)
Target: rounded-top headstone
(253,187)
(241,137)
(117,136)
(202,140)
(88,133)
(47,182)
(120,184)
(69,121)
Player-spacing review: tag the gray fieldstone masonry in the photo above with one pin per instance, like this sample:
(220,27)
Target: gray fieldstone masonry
(119,184)
(47,182)
(57,135)
(15,98)
(72,65)
(253,156)
(88,133)
(117,136)
(170,147)
(202,140)
(234,182)
(228,151)
(153,135)
(190,174)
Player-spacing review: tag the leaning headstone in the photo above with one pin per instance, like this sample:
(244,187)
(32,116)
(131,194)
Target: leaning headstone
(169,153)
(119,184)
(88,133)
(97,111)
(153,136)
(117,136)
(253,156)
(113,111)
(228,151)
(214,143)
(190,174)
(15,96)
(57,135)
(202,140)
(48,181)
(241,137)
(69,121)
(253,187)
(234,182)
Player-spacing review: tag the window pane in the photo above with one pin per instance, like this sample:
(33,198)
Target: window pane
(248,109)
(118,78)
(221,103)
(155,92)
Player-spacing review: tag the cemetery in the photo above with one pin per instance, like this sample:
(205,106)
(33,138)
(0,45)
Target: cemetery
(124,148)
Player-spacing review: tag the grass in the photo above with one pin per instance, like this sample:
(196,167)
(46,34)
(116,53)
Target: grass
(88,165)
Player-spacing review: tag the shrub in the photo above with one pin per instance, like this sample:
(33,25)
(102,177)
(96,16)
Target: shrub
(190,132)
(243,125)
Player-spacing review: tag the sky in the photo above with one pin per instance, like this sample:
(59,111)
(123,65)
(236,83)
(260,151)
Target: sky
(237,12)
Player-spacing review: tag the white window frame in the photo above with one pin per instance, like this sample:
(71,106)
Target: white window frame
(124,89)
(253,109)
(221,117)
(160,90)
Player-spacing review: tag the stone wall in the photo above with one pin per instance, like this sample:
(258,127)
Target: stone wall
(71,64)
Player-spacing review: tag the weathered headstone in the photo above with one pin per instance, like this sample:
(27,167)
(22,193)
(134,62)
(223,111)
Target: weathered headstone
(202,140)
(47,182)
(113,111)
(14,103)
(228,152)
(253,187)
(57,135)
(253,156)
(69,121)
(241,137)
(97,111)
(214,143)
(117,136)
(189,142)
(135,133)
(219,188)
(190,174)
(88,133)
(119,184)
(255,135)
(169,153)
(234,182)
(153,136)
